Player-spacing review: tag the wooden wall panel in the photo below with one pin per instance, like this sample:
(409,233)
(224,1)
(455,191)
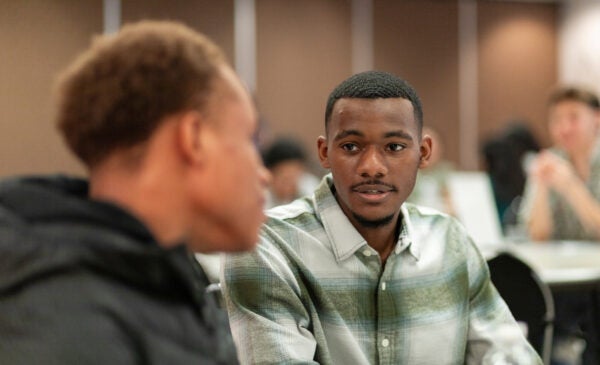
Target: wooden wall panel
(304,51)
(418,40)
(38,38)
(213,18)
(517,64)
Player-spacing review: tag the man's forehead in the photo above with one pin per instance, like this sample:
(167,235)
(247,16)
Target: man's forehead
(364,107)
(399,105)
(357,100)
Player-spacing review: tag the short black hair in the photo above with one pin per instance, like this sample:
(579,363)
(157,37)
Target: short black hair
(281,150)
(374,85)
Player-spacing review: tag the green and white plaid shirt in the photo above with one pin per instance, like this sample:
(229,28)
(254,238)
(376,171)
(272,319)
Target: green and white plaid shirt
(314,292)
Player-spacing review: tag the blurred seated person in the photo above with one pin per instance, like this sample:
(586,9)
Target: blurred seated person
(287,161)
(505,156)
(562,202)
(564,192)
(431,188)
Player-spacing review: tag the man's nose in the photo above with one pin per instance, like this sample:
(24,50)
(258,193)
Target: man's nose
(372,163)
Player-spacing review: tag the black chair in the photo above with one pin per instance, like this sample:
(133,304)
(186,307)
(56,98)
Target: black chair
(528,298)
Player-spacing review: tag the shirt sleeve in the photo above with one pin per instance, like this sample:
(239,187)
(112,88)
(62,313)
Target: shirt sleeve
(268,318)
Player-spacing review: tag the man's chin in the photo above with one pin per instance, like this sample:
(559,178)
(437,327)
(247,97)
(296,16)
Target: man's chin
(373,222)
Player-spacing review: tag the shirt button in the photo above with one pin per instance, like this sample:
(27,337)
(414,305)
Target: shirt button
(385,342)
(383,286)
(367,253)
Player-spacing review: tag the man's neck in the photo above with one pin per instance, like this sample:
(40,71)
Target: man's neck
(137,192)
(382,239)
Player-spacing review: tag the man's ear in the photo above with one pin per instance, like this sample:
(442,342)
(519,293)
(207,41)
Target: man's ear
(190,128)
(323,152)
(425,151)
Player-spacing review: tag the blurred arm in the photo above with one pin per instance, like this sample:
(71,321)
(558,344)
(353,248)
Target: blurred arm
(552,172)
(539,221)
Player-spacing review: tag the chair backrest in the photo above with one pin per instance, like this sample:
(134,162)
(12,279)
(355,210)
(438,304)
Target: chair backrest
(528,298)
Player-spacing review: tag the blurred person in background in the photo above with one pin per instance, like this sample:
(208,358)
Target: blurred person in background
(506,156)
(287,162)
(431,187)
(101,271)
(562,202)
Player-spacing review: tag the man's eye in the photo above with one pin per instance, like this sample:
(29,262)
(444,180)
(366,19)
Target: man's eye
(395,147)
(350,147)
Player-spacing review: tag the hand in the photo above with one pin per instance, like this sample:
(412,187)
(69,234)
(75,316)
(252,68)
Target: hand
(553,171)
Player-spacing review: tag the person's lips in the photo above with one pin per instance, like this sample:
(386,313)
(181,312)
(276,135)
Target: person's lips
(373,192)
(372,189)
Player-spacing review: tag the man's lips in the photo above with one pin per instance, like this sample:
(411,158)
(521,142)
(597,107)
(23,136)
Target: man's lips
(373,188)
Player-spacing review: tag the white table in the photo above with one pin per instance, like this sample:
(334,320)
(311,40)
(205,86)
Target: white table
(561,264)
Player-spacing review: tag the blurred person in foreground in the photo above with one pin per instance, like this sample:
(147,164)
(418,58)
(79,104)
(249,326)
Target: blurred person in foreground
(287,162)
(353,274)
(101,271)
(562,202)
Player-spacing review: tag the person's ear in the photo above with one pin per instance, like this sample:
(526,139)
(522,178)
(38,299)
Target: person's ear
(597,119)
(323,152)
(425,151)
(190,129)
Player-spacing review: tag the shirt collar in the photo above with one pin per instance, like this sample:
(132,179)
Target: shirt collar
(344,238)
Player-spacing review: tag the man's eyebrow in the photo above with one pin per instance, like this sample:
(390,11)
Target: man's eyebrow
(348,132)
(399,134)
(353,132)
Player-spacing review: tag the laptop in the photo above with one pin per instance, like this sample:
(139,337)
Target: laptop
(474,205)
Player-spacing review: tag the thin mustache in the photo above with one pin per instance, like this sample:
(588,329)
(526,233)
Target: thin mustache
(373,182)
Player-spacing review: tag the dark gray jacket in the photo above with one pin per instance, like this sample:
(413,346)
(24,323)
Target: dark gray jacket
(84,282)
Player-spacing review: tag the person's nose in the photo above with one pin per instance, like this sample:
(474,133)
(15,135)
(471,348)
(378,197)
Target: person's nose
(372,163)
(566,126)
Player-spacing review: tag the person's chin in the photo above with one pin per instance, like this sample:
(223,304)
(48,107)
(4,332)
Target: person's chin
(373,217)
(373,210)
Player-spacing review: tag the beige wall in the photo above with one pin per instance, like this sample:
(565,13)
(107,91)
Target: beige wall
(38,37)
(303,51)
(418,40)
(213,18)
(517,64)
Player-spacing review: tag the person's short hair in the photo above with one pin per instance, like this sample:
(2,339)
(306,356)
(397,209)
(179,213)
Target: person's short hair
(117,92)
(281,150)
(374,85)
(571,93)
